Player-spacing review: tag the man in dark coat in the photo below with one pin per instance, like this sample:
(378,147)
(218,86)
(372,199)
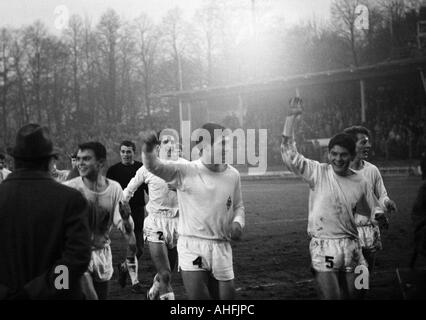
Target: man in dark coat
(44,232)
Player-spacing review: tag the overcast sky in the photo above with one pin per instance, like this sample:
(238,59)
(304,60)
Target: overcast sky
(16,13)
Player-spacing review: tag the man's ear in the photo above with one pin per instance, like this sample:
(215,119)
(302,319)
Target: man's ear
(51,163)
(328,156)
(102,163)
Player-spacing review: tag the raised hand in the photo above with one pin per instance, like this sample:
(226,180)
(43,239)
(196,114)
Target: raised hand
(150,142)
(294,112)
(296,107)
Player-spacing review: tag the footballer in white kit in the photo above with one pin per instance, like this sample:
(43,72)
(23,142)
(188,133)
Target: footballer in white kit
(368,227)
(104,197)
(211,213)
(334,192)
(160,226)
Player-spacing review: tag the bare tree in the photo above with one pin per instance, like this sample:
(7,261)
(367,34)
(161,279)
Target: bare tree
(209,19)
(58,99)
(74,36)
(394,13)
(127,60)
(344,17)
(5,70)
(35,36)
(108,32)
(173,27)
(89,57)
(147,39)
(20,67)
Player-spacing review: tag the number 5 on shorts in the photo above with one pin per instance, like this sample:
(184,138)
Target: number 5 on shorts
(329,262)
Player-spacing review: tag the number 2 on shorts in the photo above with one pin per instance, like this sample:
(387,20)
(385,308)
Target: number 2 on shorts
(160,235)
(329,262)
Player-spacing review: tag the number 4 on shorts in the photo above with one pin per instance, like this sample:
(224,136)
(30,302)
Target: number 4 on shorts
(198,262)
(329,262)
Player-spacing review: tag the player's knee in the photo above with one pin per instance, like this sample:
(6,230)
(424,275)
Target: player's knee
(164,276)
(132,249)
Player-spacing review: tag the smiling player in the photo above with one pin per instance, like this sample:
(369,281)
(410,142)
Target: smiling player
(105,210)
(335,190)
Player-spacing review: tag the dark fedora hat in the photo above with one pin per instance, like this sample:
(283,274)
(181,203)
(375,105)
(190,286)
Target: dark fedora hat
(33,142)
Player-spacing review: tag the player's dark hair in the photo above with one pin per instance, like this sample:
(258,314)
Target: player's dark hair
(354,130)
(129,144)
(343,140)
(157,141)
(2,156)
(210,127)
(97,148)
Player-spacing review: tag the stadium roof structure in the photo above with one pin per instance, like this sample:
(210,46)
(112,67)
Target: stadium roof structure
(384,69)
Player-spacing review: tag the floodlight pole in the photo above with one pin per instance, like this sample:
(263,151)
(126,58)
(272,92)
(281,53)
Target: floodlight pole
(179,62)
(241,109)
(180,115)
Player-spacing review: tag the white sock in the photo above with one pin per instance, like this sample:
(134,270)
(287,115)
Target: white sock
(168,296)
(154,290)
(132,267)
(156,279)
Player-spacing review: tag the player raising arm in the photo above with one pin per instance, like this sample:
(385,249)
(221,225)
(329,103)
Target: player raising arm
(211,213)
(334,192)
(160,227)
